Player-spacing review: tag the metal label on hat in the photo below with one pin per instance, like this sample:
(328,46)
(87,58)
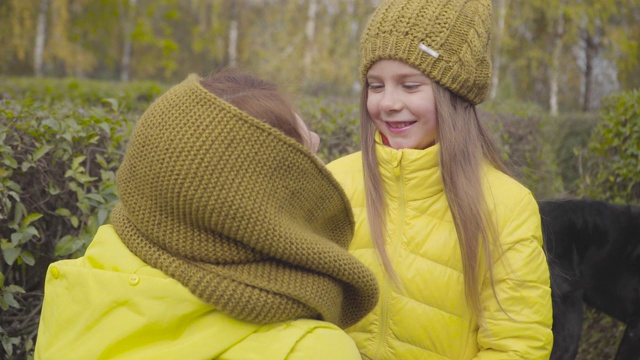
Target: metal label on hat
(428,50)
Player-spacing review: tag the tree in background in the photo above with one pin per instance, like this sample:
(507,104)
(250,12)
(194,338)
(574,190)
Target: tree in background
(310,44)
(564,55)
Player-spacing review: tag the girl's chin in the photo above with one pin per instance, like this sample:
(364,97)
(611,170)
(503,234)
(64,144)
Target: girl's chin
(398,145)
(403,144)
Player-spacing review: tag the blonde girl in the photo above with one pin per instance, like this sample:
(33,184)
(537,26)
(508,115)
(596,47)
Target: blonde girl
(455,241)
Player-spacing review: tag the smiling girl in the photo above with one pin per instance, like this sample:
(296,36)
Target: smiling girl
(455,241)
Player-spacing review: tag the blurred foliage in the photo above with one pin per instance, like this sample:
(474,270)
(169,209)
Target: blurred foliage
(167,39)
(312,45)
(62,141)
(522,131)
(335,121)
(612,158)
(57,185)
(568,135)
(590,34)
(601,335)
(133,96)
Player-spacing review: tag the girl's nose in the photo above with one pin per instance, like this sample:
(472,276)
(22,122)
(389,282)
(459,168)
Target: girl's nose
(390,101)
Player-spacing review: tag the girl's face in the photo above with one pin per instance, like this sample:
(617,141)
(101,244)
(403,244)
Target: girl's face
(401,104)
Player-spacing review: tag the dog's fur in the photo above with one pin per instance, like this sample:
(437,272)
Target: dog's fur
(593,250)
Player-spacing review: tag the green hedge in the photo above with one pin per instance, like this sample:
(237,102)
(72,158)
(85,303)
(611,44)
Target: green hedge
(612,158)
(336,122)
(568,137)
(522,131)
(133,96)
(57,186)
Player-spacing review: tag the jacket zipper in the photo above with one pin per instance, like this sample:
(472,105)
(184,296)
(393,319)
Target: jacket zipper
(384,320)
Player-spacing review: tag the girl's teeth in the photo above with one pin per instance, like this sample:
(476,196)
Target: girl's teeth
(399,125)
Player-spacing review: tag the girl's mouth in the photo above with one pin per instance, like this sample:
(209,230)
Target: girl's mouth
(399,126)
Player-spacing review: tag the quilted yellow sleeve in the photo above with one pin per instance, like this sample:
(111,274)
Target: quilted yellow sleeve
(518,326)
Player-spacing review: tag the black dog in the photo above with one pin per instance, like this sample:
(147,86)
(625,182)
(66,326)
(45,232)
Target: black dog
(593,250)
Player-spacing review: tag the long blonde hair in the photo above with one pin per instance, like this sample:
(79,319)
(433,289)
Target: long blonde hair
(465,144)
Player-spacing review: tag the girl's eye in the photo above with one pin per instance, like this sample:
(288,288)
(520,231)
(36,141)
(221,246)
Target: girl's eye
(411,86)
(376,87)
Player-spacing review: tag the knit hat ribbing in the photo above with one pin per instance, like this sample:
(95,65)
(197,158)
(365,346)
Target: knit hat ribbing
(243,216)
(458,30)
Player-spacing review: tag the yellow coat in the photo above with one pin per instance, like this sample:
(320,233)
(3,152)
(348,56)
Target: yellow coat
(432,320)
(109,304)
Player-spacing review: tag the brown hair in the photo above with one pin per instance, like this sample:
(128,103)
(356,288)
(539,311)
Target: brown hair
(258,98)
(465,143)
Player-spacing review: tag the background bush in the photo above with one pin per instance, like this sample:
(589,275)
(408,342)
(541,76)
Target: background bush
(568,137)
(612,165)
(62,140)
(134,96)
(58,159)
(336,121)
(522,131)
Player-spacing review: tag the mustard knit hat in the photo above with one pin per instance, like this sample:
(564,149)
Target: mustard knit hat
(243,216)
(448,40)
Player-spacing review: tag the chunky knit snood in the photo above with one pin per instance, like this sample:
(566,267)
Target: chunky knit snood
(243,216)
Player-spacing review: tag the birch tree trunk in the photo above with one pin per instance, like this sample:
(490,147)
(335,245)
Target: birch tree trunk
(41,35)
(233,35)
(495,75)
(351,11)
(554,77)
(310,33)
(205,17)
(128,19)
(589,52)
(591,32)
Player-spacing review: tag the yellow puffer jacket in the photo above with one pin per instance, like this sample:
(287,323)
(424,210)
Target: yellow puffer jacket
(110,305)
(432,320)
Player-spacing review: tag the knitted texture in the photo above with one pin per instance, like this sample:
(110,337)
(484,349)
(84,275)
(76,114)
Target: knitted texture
(458,30)
(243,216)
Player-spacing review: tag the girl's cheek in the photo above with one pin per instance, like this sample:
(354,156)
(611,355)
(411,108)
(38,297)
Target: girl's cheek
(371,108)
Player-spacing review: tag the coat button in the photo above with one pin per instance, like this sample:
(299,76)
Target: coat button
(55,272)
(134,280)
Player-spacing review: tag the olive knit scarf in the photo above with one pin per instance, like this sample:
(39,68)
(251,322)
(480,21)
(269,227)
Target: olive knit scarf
(243,216)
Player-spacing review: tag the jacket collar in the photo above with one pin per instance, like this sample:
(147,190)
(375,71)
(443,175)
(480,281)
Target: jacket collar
(409,173)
